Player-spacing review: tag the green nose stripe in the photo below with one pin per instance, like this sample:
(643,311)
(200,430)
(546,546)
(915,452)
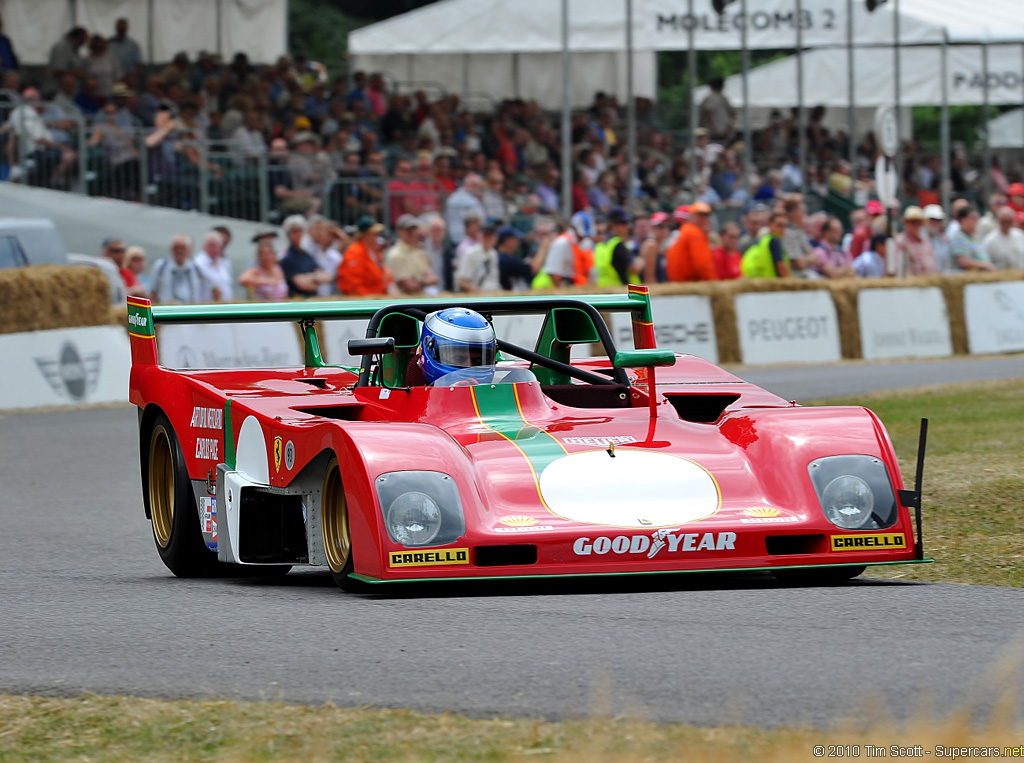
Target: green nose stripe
(499,409)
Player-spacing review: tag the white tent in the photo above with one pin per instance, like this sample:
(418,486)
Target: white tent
(162,28)
(774,85)
(1007,130)
(512,47)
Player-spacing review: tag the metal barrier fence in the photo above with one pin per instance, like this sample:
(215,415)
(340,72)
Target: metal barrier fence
(50,144)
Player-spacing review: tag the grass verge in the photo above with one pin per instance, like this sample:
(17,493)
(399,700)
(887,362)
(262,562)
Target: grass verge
(108,729)
(973,481)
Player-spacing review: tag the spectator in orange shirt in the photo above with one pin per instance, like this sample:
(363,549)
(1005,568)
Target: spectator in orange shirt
(727,257)
(689,258)
(361,271)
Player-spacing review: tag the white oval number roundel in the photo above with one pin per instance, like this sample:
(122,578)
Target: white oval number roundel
(632,489)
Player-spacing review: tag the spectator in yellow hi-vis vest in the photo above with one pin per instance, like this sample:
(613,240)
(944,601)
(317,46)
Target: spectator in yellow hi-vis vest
(767,258)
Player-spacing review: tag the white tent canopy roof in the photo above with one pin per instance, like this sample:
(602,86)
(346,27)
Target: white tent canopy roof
(529,26)
(511,48)
(989,21)
(774,85)
(1007,130)
(162,28)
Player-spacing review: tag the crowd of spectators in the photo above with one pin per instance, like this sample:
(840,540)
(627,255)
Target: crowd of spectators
(472,201)
(320,258)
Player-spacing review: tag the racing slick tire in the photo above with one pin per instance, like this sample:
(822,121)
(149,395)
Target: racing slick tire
(173,513)
(818,576)
(337,535)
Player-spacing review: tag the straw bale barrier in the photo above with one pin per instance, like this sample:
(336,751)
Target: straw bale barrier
(55,297)
(52,297)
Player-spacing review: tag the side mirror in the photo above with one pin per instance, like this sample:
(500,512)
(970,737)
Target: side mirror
(643,358)
(384,345)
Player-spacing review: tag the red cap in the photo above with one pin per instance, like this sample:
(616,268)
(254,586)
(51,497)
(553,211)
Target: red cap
(874,207)
(659,218)
(1016,189)
(681,213)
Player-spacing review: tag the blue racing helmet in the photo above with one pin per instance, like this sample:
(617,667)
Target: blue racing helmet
(457,338)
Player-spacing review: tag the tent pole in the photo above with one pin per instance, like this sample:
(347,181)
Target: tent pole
(801,140)
(566,117)
(745,59)
(898,158)
(220,24)
(691,84)
(630,113)
(986,181)
(851,112)
(945,147)
(149,32)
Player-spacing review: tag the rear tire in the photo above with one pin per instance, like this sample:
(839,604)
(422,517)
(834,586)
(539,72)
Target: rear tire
(337,536)
(819,576)
(172,506)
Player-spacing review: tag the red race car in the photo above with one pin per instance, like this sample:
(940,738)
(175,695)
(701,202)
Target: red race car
(452,453)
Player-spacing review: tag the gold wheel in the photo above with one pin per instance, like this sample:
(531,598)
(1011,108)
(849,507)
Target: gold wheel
(161,485)
(334,520)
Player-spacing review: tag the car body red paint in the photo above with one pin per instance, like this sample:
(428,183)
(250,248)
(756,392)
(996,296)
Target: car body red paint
(496,444)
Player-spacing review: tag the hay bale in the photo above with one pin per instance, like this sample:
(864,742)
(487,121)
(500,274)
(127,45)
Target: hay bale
(844,296)
(52,296)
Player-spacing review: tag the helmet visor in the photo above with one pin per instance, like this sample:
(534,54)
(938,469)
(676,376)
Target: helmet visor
(457,355)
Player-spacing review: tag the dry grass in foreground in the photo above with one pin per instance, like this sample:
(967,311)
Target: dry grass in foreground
(101,729)
(973,481)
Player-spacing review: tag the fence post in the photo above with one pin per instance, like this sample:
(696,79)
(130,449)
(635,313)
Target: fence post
(22,153)
(143,149)
(263,178)
(83,150)
(204,179)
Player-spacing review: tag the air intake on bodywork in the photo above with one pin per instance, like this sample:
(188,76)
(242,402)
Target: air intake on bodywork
(504,556)
(271,528)
(701,409)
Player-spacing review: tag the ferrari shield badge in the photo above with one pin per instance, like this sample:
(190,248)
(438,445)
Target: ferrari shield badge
(278,448)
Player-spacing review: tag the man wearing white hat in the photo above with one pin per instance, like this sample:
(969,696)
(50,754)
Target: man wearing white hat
(935,230)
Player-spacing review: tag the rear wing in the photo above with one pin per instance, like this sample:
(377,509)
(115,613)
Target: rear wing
(143,315)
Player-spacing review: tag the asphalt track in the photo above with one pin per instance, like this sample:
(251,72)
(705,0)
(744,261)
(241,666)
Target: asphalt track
(85,605)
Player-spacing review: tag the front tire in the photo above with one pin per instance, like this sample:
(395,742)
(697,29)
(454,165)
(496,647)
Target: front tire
(337,535)
(818,576)
(173,512)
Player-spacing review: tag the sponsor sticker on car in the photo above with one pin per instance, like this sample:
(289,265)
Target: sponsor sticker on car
(674,541)
(864,542)
(428,558)
(765,515)
(520,524)
(602,442)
